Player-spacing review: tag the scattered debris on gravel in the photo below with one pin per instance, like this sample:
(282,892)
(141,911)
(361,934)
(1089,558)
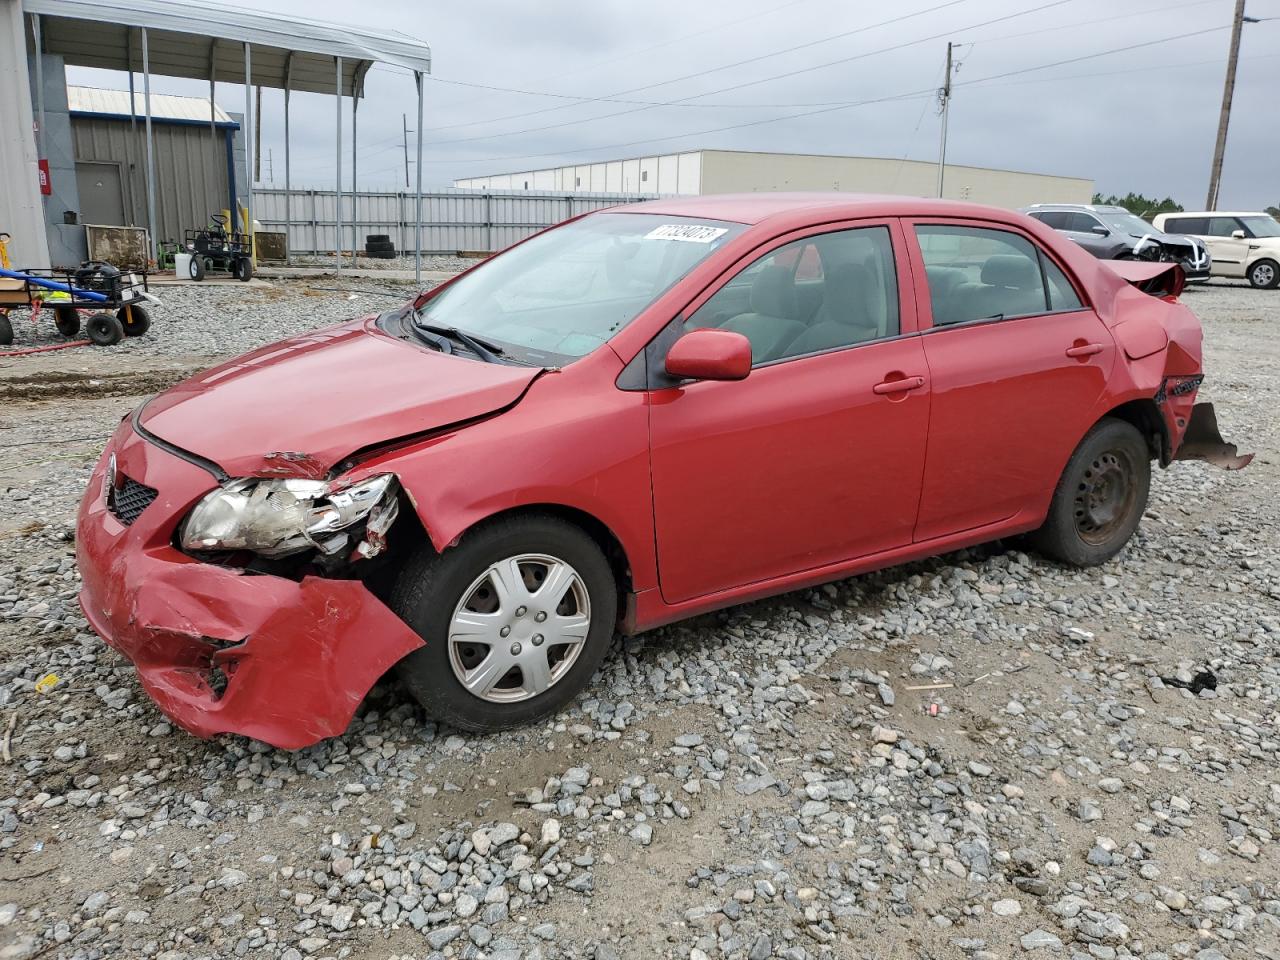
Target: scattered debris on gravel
(976,756)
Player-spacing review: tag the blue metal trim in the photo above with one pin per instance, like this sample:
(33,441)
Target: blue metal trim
(177,122)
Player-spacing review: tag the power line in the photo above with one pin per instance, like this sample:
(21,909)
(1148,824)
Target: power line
(612,97)
(1118,16)
(837,106)
(751,83)
(719,27)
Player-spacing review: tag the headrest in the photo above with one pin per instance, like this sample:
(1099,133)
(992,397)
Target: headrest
(1010,270)
(847,291)
(774,293)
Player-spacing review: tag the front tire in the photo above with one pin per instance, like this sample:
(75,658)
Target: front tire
(1265,275)
(516,618)
(1100,497)
(104,329)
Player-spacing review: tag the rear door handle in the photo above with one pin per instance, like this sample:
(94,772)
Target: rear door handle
(898,386)
(1084,350)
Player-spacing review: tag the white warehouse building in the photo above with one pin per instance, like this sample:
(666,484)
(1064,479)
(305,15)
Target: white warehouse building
(741,171)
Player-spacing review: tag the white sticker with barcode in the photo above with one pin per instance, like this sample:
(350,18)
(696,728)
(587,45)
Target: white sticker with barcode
(686,232)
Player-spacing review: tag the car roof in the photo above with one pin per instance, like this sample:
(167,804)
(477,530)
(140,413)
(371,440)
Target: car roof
(1215,213)
(753,208)
(1090,207)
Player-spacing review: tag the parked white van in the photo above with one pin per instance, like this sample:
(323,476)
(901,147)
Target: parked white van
(1241,244)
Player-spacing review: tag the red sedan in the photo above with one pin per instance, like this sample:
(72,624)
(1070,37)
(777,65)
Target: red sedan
(637,416)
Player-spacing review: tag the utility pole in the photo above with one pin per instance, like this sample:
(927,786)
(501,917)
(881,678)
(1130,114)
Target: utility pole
(257,137)
(1224,118)
(404,118)
(944,97)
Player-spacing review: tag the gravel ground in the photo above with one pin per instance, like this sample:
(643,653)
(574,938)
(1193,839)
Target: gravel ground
(442,262)
(981,755)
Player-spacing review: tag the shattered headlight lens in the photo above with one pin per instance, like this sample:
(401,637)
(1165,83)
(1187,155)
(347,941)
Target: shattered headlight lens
(280,518)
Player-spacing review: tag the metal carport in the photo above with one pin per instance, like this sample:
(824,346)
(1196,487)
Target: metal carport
(178,38)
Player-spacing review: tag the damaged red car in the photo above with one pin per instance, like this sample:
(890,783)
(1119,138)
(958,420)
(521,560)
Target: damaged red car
(634,417)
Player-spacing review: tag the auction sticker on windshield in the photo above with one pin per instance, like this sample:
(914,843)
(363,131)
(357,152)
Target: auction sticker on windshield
(686,232)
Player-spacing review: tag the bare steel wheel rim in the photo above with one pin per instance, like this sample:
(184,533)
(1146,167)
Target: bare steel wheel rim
(1105,497)
(519,628)
(1263,274)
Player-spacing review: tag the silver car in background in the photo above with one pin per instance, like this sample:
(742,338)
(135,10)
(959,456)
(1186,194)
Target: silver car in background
(1113,233)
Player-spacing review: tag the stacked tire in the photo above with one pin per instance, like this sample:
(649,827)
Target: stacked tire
(379,246)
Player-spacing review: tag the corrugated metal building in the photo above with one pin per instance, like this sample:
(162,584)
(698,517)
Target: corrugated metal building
(194,159)
(742,171)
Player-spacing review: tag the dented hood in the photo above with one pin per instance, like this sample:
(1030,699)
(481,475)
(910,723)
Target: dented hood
(299,406)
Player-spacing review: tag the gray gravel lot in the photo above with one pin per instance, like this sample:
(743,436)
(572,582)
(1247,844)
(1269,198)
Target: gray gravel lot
(973,756)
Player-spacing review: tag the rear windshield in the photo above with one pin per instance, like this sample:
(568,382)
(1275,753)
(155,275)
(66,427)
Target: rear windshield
(563,293)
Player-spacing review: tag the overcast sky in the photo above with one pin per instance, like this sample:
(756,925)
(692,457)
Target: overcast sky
(1141,119)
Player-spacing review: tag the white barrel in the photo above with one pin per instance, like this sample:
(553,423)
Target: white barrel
(182,266)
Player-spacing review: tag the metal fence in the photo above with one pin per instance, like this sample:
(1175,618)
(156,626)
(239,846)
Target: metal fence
(452,220)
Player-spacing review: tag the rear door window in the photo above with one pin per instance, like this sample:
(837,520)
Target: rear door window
(1062,295)
(978,273)
(1198,226)
(1057,219)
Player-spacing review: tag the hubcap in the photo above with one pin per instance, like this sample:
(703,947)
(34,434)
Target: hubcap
(519,628)
(1104,497)
(1263,274)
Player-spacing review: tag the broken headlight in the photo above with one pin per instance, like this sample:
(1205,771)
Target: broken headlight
(280,518)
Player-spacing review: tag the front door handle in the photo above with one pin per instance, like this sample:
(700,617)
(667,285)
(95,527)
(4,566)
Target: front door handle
(1082,350)
(901,385)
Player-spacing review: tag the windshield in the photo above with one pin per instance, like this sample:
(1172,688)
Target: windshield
(1262,226)
(1128,223)
(564,292)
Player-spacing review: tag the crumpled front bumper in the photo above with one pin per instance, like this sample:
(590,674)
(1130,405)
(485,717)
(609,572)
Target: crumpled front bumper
(217,649)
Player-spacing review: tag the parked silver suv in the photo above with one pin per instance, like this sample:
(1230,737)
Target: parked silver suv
(1113,233)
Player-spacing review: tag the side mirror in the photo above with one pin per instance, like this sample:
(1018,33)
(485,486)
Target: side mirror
(1100,230)
(1237,234)
(710,354)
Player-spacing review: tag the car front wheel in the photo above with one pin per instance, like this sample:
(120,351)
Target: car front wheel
(515,620)
(1100,497)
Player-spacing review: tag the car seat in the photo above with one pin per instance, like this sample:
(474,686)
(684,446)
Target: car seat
(851,312)
(771,324)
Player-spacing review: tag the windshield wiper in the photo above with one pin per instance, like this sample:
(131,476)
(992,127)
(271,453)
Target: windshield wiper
(440,343)
(489,352)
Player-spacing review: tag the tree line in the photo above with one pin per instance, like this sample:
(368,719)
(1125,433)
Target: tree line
(1149,207)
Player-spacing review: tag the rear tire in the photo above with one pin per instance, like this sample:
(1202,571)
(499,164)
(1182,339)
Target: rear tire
(66,320)
(135,320)
(1100,497)
(6,330)
(242,269)
(1265,275)
(104,329)
(197,268)
(440,595)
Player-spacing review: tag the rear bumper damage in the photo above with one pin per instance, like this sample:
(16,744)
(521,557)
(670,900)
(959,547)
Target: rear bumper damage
(1203,441)
(219,650)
